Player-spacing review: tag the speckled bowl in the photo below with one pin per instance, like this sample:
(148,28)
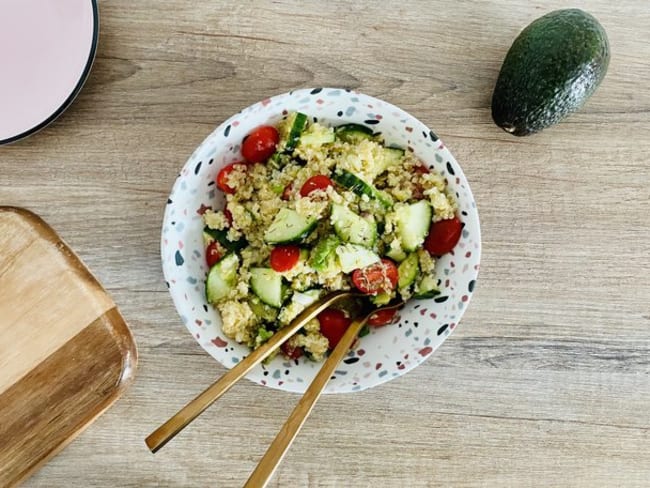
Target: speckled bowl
(385,353)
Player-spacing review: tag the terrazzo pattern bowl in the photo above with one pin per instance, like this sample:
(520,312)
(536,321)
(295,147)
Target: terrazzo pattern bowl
(387,352)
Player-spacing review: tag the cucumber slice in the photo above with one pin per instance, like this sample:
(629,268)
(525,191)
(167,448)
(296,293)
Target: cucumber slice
(353,133)
(426,288)
(291,130)
(408,271)
(262,310)
(297,127)
(381,299)
(307,297)
(323,251)
(221,278)
(267,285)
(392,157)
(396,253)
(289,226)
(316,136)
(353,228)
(413,223)
(354,256)
(360,187)
(221,236)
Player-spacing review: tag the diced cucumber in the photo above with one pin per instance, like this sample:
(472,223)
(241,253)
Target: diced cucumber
(262,310)
(307,297)
(360,187)
(426,288)
(396,253)
(316,136)
(413,221)
(297,127)
(323,251)
(354,256)
(381,299)
(392,157)
(267,285)
(353,133)
(291,130)
(221,236)
(221,278)
(353,228)
(408,271)
(289,226)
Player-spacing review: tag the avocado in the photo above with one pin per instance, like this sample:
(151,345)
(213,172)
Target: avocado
(550,71)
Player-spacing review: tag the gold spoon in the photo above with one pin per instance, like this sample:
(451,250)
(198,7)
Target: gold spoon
(163,434)
(283,440)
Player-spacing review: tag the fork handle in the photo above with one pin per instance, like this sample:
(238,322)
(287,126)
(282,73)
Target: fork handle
(276,451)
(166,432)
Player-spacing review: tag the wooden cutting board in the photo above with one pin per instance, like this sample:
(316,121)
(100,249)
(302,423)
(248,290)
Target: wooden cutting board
(66,353)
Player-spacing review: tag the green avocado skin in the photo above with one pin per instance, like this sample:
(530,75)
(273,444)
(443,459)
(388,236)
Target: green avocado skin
(550,71)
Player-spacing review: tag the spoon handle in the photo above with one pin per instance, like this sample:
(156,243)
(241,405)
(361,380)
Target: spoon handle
(280,445)
(166,432)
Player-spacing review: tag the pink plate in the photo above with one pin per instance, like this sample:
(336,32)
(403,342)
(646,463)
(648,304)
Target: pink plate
(47,48)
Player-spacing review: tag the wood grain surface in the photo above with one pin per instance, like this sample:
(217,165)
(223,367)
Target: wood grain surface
(65,352)
(546,382)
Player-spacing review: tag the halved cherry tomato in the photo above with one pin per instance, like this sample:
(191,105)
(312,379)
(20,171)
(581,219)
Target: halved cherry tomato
(212,254)
(381,317)
(283,258)
(333,324)
(222,177)
(443,236)
(286,193)
(258,146)
(228,216)
(376,278)
(290,351)
(318,182)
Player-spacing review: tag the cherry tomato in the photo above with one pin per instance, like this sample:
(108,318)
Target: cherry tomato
(318,182)
(286,193)
(212,254)
(222,177)
(283,258)
(290,351)
(258,146)
(376,278)
(443,236)
(228,216)
(381,317)
(333,324)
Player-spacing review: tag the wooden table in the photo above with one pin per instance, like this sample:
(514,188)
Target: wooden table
(547,380)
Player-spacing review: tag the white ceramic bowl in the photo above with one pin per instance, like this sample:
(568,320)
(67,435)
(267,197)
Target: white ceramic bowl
(385,353)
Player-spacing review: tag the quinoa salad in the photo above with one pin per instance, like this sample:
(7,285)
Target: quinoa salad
(312,209)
